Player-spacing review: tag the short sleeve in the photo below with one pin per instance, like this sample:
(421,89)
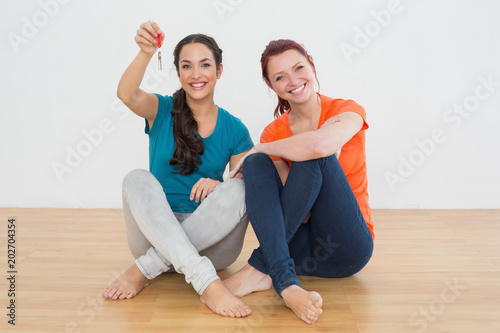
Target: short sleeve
(243,141)
(350,106)
(266,137)
(165,107)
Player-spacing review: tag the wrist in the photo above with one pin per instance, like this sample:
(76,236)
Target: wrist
(146,55)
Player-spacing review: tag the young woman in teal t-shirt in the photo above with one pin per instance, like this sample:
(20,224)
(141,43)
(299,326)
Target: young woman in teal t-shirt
(181,216)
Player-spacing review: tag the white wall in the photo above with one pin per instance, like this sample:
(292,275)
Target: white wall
(60,62)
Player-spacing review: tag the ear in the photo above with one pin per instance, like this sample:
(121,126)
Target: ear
(312,62)
(269,85)
(219,71)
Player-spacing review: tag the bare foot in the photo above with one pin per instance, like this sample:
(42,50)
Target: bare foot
(305,304)
(248,280)
(126,286)
(221,301)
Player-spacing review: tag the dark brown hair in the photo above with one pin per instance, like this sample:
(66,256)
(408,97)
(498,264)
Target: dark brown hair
(188,144)
(277,47)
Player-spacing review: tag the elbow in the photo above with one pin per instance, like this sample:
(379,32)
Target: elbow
(127,98)
(123,96)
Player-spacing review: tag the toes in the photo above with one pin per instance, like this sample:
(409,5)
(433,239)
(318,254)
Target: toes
(241,311)
(319,301)
(117,293)
(312,317)
(237,313)
(111,293)
(307,320)
(315,311)
(126,294)
(244,310)
(317,304)
(248,310)
(227,313)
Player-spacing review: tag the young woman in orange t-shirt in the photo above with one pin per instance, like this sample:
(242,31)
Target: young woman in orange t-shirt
(306,187)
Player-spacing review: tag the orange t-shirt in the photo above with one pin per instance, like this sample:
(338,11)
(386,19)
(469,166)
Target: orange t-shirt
(352,157)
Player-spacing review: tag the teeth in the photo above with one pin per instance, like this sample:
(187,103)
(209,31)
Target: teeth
(298,89)
(197,85)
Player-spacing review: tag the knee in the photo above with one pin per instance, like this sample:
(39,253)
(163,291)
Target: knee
(319,162)
(255,160)
(233,189)
(233,185)
(133,177)
(354,268)
(136,179)
(329,160)
(304,166)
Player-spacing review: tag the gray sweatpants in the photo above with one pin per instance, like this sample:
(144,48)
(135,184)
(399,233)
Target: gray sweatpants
(191,244)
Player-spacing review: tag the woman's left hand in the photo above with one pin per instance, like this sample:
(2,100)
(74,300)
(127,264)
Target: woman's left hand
(202,188)
(332,120)
(237,169)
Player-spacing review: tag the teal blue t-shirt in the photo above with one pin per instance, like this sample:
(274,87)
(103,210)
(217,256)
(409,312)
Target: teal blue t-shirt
(230,137)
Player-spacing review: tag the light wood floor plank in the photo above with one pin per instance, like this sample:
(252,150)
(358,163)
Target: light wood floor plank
(432,271)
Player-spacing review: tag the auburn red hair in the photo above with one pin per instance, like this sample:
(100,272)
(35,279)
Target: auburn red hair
(277,47)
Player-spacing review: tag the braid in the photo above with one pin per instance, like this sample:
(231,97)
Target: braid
(188,145)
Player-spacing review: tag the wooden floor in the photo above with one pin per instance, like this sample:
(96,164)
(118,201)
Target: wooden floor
(432,271)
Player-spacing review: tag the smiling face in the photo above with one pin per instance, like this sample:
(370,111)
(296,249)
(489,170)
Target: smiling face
(291,76)
(198,72)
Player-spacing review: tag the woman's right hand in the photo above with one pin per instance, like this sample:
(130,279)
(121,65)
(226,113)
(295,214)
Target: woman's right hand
(147,37)
(238,168)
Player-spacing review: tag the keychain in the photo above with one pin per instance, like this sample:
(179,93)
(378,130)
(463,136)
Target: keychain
(159,52)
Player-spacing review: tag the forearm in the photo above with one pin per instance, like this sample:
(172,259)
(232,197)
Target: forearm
(301,147)
(325,141)
(132,77)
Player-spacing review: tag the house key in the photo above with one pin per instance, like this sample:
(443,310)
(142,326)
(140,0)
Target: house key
(159,52)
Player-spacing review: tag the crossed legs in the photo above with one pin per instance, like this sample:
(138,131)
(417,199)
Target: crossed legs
(334,243)
(160,243)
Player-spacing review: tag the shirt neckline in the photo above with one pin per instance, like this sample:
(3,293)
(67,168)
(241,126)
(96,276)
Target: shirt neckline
(321,116)
(208,138)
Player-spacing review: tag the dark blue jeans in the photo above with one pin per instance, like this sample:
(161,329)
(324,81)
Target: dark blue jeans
(334,243)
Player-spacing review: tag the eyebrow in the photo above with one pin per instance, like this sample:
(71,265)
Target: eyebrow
(292,67)
(202,60)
